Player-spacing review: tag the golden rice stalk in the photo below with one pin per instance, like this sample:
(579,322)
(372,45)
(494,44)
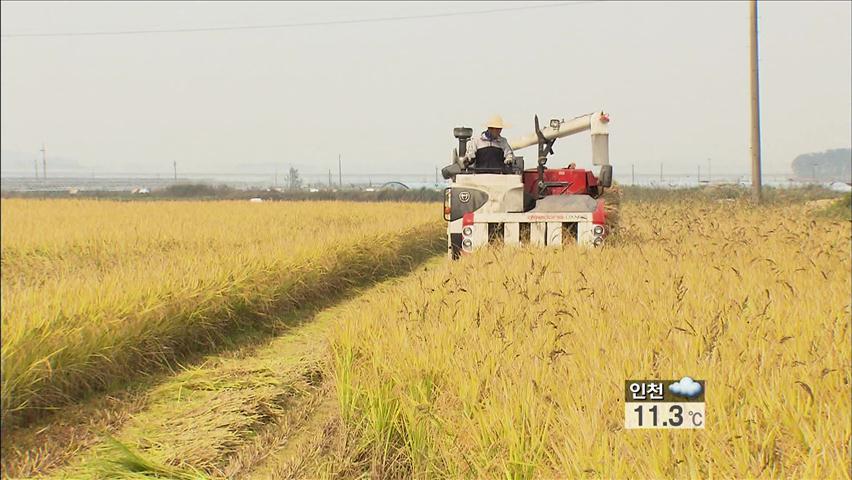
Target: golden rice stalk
(612,202)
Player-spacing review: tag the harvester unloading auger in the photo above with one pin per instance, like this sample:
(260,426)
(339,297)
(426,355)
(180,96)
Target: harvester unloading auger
(543,206)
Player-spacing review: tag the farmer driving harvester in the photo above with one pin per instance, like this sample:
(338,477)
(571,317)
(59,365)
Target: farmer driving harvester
(490,151)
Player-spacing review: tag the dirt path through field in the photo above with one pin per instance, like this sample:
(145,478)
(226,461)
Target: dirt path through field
(74,431)
(51,443)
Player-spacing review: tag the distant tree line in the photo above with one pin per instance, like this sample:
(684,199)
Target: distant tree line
(829,166)
(204,191)
(190,190)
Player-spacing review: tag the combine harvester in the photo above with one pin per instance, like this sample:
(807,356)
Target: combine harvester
(541,206)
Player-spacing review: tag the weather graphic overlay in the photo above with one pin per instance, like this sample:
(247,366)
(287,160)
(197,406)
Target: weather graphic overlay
(664,404)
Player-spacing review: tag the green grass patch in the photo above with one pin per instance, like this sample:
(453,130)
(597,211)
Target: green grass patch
(839,210)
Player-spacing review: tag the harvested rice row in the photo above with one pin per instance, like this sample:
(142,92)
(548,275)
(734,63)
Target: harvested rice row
(85,327)
(255,411)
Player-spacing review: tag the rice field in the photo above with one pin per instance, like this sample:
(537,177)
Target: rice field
(94,292)
(512,364)
(508,363)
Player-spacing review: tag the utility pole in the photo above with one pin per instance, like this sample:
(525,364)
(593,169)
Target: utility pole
(339,172)
(43,161)
(632,175)
(436,175)
(755,105)
(709,172)
(329,178)
(174,165)
(35,163)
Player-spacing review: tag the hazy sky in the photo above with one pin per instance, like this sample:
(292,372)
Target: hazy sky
(673,76)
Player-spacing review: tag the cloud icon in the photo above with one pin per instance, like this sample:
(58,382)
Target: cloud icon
(685,387)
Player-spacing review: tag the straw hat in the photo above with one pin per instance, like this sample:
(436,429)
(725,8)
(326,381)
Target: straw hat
(496,122)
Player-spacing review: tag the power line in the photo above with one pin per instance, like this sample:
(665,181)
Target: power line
(296,25)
